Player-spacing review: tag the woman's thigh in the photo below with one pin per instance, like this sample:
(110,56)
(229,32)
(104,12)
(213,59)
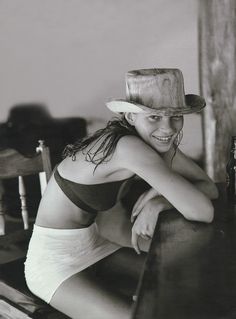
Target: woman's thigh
(124,261)
(104,290)
(87,296)
(121,270)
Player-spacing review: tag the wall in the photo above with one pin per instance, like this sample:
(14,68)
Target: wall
(72,55)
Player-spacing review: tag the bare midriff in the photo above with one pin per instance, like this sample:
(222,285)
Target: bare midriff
(57,211)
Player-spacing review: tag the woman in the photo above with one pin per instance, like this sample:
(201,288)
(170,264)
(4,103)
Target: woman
(69,264)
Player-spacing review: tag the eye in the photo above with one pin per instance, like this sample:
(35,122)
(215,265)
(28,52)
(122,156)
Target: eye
(153,118)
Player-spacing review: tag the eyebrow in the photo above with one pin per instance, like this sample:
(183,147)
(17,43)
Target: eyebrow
(160,115)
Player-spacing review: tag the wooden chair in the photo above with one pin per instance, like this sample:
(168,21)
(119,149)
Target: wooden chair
(16,301)
(15,165)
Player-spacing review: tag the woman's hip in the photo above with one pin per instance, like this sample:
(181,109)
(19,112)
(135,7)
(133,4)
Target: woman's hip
(56,254)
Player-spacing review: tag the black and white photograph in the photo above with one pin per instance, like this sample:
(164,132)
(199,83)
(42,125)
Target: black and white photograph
(117,159)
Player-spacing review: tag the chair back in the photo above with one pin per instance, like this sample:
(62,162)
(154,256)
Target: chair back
(15,165)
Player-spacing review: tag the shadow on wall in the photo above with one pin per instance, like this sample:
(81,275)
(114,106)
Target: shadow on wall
(26,124)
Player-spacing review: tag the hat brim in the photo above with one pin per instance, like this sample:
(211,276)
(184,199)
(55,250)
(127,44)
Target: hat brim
(194,103)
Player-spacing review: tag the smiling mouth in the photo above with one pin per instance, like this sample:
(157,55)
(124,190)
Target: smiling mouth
(163,139)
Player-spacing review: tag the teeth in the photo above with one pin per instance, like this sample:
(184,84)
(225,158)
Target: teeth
(163,139)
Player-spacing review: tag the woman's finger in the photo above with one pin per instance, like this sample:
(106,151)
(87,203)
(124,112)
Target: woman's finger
(140,204)
(146,237)
(132,218)
(135,214)
(136,205)
(143,199)
(149,231)
(145,234)
(134,241)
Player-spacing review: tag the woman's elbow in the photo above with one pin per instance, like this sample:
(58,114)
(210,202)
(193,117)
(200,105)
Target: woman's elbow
(208,214)
(214,193)
(203,214)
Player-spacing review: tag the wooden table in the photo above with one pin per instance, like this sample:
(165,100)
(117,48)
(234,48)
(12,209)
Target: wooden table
(190,271)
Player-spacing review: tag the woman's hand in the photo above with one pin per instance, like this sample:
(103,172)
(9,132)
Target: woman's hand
(142,200)
(146,220)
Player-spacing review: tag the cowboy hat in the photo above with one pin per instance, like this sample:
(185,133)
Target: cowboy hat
(159,90)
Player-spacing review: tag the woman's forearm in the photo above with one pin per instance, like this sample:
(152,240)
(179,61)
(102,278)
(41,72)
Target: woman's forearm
(163,204)
(207,188)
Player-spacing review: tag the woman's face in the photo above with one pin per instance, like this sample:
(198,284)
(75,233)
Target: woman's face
(159,131)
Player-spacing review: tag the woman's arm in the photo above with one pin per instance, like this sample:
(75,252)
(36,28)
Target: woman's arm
(135,155)
(187,168)
(145,223)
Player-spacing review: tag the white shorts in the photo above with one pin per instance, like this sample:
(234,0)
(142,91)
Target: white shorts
(54,255)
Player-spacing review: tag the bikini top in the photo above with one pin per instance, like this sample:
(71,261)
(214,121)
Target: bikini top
(94,197)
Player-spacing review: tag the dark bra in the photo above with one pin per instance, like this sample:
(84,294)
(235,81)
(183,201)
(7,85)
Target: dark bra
(91,198)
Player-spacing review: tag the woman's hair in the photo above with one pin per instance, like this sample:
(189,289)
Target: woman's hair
(100,146)
(176,143)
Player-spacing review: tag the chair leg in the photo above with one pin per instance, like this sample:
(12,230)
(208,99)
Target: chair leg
(24,210)
(2,224)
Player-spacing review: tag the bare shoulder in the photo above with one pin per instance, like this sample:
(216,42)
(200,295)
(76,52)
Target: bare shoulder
(133,150)
(132,145)
(128,141)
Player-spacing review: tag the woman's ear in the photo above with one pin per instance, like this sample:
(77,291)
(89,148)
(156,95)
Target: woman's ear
(130,118)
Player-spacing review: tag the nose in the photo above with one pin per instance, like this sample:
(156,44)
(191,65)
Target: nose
(166,125)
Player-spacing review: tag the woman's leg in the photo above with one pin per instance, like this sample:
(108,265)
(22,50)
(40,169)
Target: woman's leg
(97,292)
(122,270)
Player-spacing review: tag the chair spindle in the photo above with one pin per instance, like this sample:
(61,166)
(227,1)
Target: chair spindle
(24,210)
(15,165)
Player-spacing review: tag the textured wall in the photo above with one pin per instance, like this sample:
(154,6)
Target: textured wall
(72,55)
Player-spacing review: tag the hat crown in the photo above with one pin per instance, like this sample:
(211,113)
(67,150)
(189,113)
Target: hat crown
(156,88)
